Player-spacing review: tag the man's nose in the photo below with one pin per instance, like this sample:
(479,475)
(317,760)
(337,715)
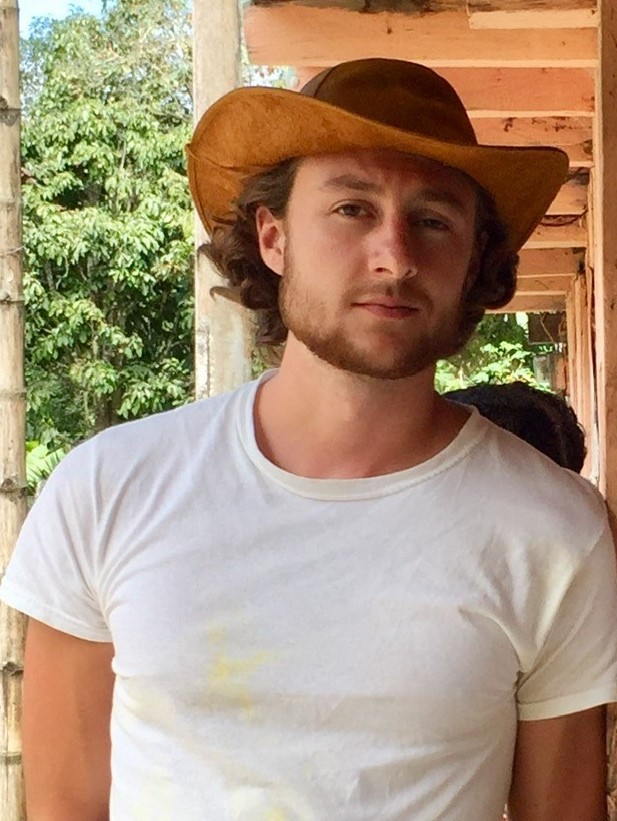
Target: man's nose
(393,252)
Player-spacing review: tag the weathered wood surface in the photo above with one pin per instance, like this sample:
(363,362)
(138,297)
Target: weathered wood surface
(222,331)
(12,409)
(581,375)
(566,235)
(551,262)
(417,7)
(556,285)
(537,302)
(528,14)
(294,34)
(572,134)
(573,196)
(604,261)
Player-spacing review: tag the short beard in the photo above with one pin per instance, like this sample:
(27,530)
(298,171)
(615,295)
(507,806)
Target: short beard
(301,316)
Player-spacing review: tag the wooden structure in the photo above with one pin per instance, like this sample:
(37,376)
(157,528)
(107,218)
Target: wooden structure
(12,407)
(530,72)
(222,332)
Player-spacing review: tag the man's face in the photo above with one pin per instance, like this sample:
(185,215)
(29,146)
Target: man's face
(374,253)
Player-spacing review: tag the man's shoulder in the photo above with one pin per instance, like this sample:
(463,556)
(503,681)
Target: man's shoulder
(522,478)
(174,436)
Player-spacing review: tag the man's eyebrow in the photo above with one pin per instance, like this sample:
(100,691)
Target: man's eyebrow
(349,181)
(441,197)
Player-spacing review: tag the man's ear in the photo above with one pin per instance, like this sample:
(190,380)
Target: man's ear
(271,236)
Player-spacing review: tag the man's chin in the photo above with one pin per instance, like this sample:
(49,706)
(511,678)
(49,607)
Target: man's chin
(371,367)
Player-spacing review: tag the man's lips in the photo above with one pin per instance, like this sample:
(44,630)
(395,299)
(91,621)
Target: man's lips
(387,308)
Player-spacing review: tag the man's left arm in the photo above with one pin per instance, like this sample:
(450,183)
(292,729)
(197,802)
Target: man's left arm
(560,768)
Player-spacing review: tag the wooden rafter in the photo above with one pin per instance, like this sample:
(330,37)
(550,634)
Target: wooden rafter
(531,14)
(572,134)
(536,262)
(537,302)
(565,235)
(300,35)
(547,285)
(573,197)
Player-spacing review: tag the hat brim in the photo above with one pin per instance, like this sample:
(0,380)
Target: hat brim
(252,129)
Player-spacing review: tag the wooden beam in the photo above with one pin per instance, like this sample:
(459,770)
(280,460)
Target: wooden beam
(533,304)
(568,235)
(603,215)
(513,92)
(531,14)
(572,134)
(223,335)
(299,35)
(554,285)
(524,92)
(551,262)
(572,197)
(581,384)
(563,131)
(605,256)
(417,7)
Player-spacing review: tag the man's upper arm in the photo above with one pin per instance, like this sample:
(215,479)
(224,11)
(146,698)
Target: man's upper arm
(560,769)
(68,684)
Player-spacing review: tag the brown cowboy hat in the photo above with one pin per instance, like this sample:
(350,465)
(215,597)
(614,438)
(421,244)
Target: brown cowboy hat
(364,104)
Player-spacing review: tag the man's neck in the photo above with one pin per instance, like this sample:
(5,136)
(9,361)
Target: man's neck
(320,422)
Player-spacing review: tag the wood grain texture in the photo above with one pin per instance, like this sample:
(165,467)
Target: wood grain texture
(299,35)
(222,331)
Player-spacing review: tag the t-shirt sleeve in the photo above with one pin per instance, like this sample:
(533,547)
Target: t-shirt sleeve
(576,668)
(53,571)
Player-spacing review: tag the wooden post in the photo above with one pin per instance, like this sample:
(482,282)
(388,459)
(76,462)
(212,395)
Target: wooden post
(223,330)
(605,285)
(605,247)
(581,386)
(12,407)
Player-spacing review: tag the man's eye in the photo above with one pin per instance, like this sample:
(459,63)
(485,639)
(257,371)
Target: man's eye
(432,223)
(351,209)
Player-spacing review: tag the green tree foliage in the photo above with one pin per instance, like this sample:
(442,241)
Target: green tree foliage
(499,351)
(107,217)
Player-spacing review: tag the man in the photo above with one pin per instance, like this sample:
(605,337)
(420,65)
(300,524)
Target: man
(331,595)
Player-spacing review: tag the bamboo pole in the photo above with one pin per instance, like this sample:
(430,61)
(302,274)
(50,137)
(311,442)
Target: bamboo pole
(223,337)
(12,408)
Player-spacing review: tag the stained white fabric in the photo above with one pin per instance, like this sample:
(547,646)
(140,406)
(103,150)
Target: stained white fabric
(290,649)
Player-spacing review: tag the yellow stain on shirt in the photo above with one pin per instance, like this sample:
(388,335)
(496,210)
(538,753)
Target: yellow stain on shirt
(229,677)
(275,815)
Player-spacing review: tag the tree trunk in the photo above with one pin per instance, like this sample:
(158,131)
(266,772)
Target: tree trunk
(12,408)
(223,331)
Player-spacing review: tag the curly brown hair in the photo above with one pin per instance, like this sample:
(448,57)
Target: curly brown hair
(234,251)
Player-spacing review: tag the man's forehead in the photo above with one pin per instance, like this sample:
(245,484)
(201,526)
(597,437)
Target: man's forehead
(370,170)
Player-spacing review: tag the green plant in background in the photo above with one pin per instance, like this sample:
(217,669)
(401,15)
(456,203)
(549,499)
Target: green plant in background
(499,351)
(40,461)
(107,217)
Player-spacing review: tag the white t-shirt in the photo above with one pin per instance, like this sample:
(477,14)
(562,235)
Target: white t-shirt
(321,650)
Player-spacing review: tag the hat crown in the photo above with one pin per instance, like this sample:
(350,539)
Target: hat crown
(396,93)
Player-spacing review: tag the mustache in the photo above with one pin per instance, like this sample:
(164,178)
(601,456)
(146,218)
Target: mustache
(404,293)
